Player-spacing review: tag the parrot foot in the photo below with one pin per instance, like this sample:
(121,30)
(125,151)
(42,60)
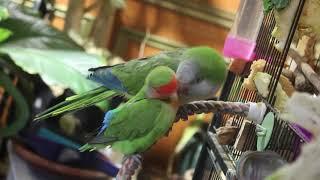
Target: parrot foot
(130,164)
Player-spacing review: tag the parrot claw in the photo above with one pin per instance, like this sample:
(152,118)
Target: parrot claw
(130,164)
(182,114)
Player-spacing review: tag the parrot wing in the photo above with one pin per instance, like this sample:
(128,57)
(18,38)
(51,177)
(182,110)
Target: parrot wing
(130,76)
(125,79)
(136,120)
(119,80)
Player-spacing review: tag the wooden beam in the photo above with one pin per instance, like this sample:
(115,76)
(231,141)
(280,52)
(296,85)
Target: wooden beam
(158,42)
(205,13)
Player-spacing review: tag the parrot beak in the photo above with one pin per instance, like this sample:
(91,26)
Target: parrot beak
(174,99)
(183,90)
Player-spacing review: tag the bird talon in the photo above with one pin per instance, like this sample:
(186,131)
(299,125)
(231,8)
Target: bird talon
(130,164)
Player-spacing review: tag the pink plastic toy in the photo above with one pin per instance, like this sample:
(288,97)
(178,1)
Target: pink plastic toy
(241,40)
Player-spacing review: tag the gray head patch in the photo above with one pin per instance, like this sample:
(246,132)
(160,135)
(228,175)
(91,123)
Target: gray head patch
(187,72)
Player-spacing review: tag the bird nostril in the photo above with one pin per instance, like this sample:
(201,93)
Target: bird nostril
(184,90)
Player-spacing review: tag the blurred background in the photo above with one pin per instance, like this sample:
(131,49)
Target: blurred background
(123,26)
(46,47)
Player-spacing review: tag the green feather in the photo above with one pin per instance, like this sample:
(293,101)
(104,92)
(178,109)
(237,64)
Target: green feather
(77,102)
(140,122)
(212,64)
(160,76)
(137,126)
(155,127)
(134,72)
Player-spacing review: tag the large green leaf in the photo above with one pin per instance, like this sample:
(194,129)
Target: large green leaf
(36,34)
(32,32)
(39,48)
(67,69)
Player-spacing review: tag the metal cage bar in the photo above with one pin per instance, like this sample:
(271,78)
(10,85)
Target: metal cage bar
(284,140)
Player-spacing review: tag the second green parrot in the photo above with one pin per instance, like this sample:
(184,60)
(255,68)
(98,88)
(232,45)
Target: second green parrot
(136,125)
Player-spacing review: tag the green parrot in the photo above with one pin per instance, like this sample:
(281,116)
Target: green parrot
(200,71)
(135,126)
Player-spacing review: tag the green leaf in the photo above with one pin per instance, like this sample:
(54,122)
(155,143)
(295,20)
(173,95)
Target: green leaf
(38,48)
(56,67)
(36,34)
(280,4)
(4,14)
(4,34)
(267,5)
(30,31)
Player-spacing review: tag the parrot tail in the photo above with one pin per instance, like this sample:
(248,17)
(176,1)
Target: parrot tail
(87,147)
(92,147)
(78,102)
(98,142)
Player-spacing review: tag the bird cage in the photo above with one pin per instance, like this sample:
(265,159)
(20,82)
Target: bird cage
(217,161)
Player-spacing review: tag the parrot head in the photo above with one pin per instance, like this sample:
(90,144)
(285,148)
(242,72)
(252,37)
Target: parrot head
(162,83)
(200,74)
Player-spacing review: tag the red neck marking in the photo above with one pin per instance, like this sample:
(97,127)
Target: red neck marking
(168,88)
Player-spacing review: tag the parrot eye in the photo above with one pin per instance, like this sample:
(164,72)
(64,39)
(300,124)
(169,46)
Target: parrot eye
(197,80)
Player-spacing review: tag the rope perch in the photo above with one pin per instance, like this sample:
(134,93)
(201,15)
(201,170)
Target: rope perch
(199,107)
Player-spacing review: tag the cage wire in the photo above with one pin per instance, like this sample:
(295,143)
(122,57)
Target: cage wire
(214,161)
(284,140)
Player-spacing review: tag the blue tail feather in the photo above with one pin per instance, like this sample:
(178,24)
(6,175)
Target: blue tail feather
(105,77)
(106,121)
